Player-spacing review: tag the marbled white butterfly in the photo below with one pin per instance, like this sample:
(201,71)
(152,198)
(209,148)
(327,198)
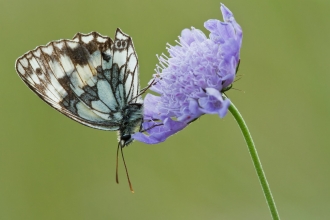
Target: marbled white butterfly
(91,79)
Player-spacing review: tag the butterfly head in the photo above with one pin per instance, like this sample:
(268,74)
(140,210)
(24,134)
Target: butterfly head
(125,140)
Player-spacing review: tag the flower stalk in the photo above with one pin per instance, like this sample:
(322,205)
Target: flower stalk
(191,82)
(256,161)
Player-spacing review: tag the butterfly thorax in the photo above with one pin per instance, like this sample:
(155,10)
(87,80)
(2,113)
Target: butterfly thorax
(131,123)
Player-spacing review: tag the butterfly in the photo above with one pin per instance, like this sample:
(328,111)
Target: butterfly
(92,79)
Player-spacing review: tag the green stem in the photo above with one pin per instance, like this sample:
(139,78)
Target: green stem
(255,159)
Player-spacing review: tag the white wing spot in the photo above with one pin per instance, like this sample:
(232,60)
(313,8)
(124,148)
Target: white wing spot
(37,52)
(101,39)
(119,57)
(86,75)
(48,50)
(67,64)
(59,44)
(20,68)
(120,36)
(24,62)
(57,69)
(72,45)
(87,39)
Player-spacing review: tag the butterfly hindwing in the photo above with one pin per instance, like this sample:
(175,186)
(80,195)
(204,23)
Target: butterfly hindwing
(89,79)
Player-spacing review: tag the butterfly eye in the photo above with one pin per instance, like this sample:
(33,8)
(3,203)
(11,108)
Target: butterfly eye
(126,137)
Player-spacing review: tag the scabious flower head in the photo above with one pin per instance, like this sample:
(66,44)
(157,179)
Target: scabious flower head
(191,80)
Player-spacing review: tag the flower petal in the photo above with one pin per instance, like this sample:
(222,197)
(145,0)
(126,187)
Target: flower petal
(162,132)
(228,16)
(215,93)
(191,80)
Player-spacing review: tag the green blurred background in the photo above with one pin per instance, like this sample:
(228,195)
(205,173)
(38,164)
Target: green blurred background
(54,168)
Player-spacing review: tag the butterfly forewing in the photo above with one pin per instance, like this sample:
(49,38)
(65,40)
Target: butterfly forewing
(89,79)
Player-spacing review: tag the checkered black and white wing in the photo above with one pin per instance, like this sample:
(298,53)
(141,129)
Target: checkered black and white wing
(84,78)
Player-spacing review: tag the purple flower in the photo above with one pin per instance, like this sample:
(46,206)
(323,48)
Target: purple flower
(191,80)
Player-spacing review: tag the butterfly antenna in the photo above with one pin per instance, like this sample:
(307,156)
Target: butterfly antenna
(143,90)
(238,90)
(240,77)
(129,181)
(146,88)
(117,179)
